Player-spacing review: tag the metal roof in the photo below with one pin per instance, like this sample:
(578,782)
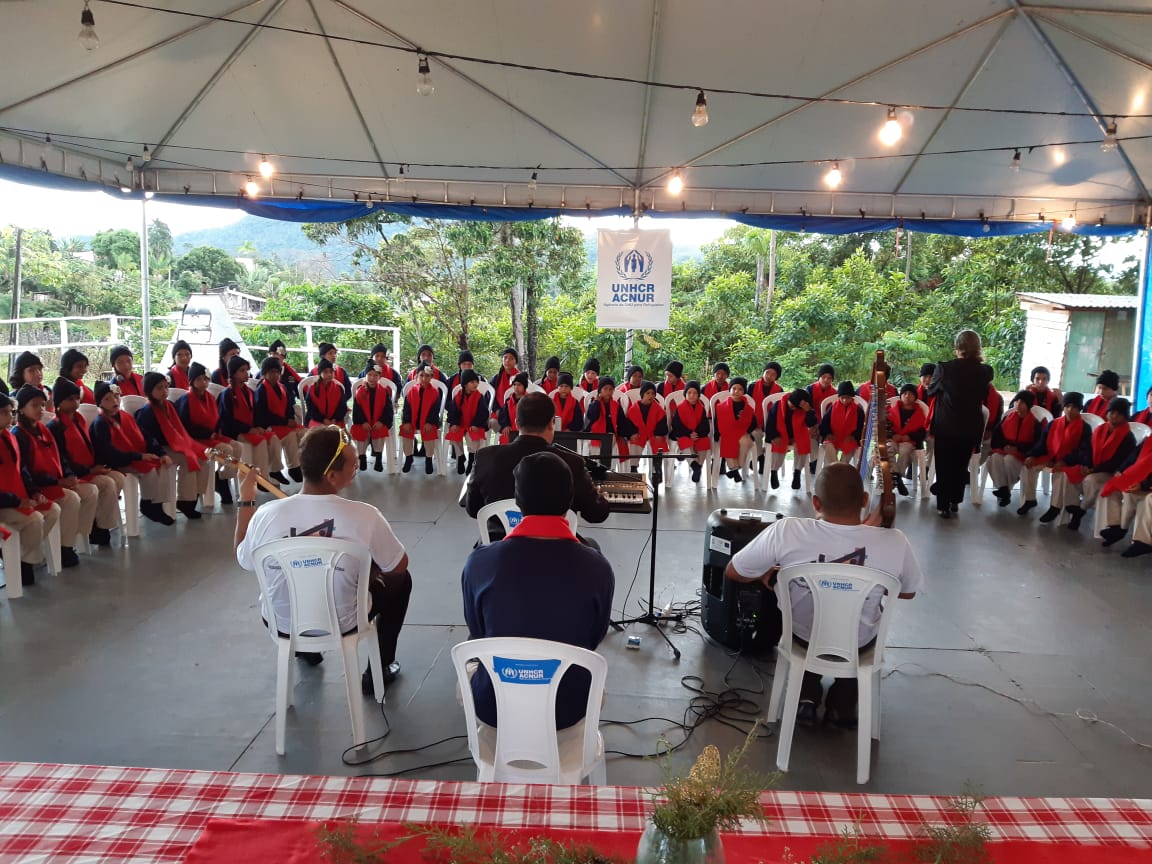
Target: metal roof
(1081,301)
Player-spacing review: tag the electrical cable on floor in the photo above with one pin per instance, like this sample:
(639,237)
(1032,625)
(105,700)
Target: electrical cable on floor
(635,575)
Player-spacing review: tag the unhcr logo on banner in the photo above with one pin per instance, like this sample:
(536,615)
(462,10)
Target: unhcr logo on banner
(634,279)
(634,266)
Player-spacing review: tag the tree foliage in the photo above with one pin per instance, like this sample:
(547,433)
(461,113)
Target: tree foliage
(207,264)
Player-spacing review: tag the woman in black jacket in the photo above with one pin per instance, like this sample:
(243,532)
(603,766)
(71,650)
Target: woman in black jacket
(960,387)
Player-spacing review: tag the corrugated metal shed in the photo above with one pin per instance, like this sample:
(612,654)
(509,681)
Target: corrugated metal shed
(1081,301)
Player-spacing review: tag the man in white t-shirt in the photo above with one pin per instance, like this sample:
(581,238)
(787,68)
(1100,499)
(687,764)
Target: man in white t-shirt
(840,537)
(328,463)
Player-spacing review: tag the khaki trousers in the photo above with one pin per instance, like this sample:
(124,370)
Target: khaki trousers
(255,455)
(1006,469)
(1064,494)
(188,482)
(284,451)
(904,451)
(831,454)
(1093,483)
(33,529)
(1119,508)
(108,488)
(1141,508)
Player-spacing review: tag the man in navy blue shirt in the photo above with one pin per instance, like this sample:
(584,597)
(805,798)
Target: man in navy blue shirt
(539,582)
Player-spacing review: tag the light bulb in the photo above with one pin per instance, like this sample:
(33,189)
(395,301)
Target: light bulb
(129,164)
(251,188)
(1015,163)
(986,228)
(834,176)
(47,148)
(1109,143)
(145,155)
(532,182)
(1068,223)
(424,85)
(891,131)
(267,169)
(149,194)
(87,36)
(127,190)
(676,184)
(700,113)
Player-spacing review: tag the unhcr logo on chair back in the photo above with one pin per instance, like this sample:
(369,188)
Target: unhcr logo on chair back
(634,279)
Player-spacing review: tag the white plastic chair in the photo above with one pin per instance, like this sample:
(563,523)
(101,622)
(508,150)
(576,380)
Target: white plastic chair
(838,595)
(975,488)
(216,389)
(308,565)
(10,544)
(88,412)
(441,459)
(132,404)
(714,455)
(1092,420)
(1100,520)
(526,747)
(174,393)
(509,515)
(1042,415)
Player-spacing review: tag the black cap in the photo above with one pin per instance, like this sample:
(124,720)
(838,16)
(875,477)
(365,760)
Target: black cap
(1076,400)
(564,378)
(27,393)
(102,389)
(826,369)
(178,346)
(909,388)
(1108,379)
(195,371)
(151,379)
(772,364)
(719,366)
(692,385)
(26,361)
(645,387)
(325,347)
(64,388)
(552,362)
(739,381)
(227,344)
(510,350)
(592,365)
(521,378)
(118,352)
(798,396)
(467,376)
(1118,403)
(70,358)
(845,388)
(606,381)
(378,348)
(269,364)
(927,369)
(464,357)
(424,348)
(324,363)
(276,346)
(236,364)
(543,485)
(676,368)
(1025,396)
(632,370)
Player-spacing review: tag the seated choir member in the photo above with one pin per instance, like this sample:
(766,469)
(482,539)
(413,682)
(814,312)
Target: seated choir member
(44,473)
(824,387)
(129,381)
(121,446)
(290,378)
(927,370)
(464,360)
(691,428)
(1112,444)
(467,420)
(508,409)
(74,366)
(719,382)
(735,420)
(994,402)
(842,426)
(425,356)
(551,374)
(790,424)
(1013,439)
(181,361)
(500,384)
(1107,389)
(227,350)
(1145,416)
(161,426)
(29,514)
(768,384)
(908,427)
(1064,448)
(325,402)
(275,410)
(379,357)
(29,370)
(339,373)
(633,378)
(421,416)
(650,422)
(237,406)
(200,413)
(673,379)
(604,414)
(865,389)
(1127,501)
(78,458)
(372,418)
(590,379)
(568,407)
(515,587)
(1047,397)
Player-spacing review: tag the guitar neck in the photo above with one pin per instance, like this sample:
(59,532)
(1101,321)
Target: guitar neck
(245,469)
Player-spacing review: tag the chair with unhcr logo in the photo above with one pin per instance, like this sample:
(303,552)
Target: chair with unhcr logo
(526,747)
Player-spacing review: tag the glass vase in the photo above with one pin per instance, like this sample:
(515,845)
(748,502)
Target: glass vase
(656,847)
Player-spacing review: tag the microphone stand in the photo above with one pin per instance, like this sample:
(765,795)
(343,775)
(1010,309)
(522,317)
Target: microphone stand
(651,618)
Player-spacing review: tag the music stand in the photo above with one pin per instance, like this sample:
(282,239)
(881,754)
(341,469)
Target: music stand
(650,617)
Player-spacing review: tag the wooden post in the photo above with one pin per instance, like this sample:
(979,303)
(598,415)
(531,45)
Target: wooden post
(17,277)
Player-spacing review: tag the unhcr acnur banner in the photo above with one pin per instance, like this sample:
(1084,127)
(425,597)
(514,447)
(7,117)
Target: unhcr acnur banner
(634,279)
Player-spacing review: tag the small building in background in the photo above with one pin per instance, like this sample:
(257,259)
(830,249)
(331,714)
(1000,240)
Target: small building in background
(1078,335)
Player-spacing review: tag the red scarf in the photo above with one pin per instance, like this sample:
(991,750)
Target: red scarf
(175,436)
(820,393)
(289,373)
(1134,474)
(511,403)
(1097,405)
(326,397)
(133,385)
(10,479)
(1020,432)
(372,406)
(552,527)
(468,404)
(1144,417)
(45,459)
(843,421)
(866,390)
(179,378)
(565,408)
(503,382)
(1106,440)
(548,385)
(1046,398)
(127,438)
(663,389)
(600,424)
(412,374)
(86,395)
(422,398)
(732,428)
(592,385)
(276,398)
(1064,437)
(713,387)
(760,391)
(691,418)
(77,443)
(797,435)
(646,426)
(204,413)
(915,422)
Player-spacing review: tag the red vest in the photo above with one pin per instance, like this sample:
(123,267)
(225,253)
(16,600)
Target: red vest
(422,400)
(133,385)
(179,378)
(565,409)
(916,422)
(797,435)
(77,442)
(844,422)
(468,404)
(733,428)
(45,459)
(326,398)
(10,479)
(1019,432)
(646,426)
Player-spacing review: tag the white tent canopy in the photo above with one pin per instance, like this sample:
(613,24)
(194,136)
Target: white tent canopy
(338,118)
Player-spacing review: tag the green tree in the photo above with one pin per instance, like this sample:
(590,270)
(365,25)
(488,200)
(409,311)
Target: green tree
(208,264)
(160,245)
(116,246)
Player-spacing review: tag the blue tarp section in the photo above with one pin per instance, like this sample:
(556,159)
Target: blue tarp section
(1142,368)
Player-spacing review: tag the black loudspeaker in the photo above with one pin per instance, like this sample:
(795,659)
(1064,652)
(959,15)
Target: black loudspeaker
(742,616)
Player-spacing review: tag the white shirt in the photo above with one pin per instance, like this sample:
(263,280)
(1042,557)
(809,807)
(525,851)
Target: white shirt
(320,516)
(806,541)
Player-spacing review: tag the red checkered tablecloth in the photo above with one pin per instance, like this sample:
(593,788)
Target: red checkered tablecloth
(73,813)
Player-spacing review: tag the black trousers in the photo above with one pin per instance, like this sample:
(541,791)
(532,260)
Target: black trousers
(951,458)
(842,695)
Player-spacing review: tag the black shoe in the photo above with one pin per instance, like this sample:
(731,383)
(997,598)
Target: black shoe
(796,479)
(1077,516)
(224,490)
(955,506)
(279,477)
(774,479)
(364,462)
(379,465)
(407,464)
(1050,514)
(944,512)
(1137,548)
(188,508)
(840,721)
(156,513)
(934,489)
(1023,509)
(100,537)
(312,658)
(760,462)
(1003,496)
(806,715)
(296,474)
(1112,534)
(695,468)
(146,504)
(391,673)
(68,557)
(471,462)
(460,467)
(900,487)
(27,574)
(428,465)
(812,467)
(735,474)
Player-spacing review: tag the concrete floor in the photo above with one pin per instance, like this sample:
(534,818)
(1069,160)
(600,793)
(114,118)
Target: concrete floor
(154,655)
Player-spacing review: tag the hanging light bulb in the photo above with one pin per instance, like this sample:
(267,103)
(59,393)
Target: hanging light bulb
(145,155)
(251,188)
(130,165)
(1015,163)
(424,85)
(1069,222)
(47,148)
(891,131)
(267,169)
(1109,143)
(532,180)
(676,184)
(700,113)
(834,176)
(88,37)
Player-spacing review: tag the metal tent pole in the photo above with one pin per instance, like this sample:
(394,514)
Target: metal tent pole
(145,292)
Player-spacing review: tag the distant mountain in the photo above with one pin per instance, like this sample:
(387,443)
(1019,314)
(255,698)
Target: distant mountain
(680,251)
(284,240)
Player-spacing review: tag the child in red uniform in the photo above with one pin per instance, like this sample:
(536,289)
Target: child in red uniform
(651,423)
(200,413)
(673,379)
(325,401)
(568,407)
(31,516)
(1065,447)
(824,387)
(1012,440)
(790,424)
(691,429)
(372,418)
(590,380)
(735,420)
(421,416)
(719,382)
(160,423)
(1145,416)
(604,414)
(909,429)
(1107,389)
(1112,444)
(551,375)
(500,383)
(30,370)
(467,419)
(120,445)
(74,366)
(507,416)
(633,378)
(276,412)
(842,426)
(181,362)
(340,375)
(1047,397)
(131,383)
(237,406)
(768,384)
(227,350)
